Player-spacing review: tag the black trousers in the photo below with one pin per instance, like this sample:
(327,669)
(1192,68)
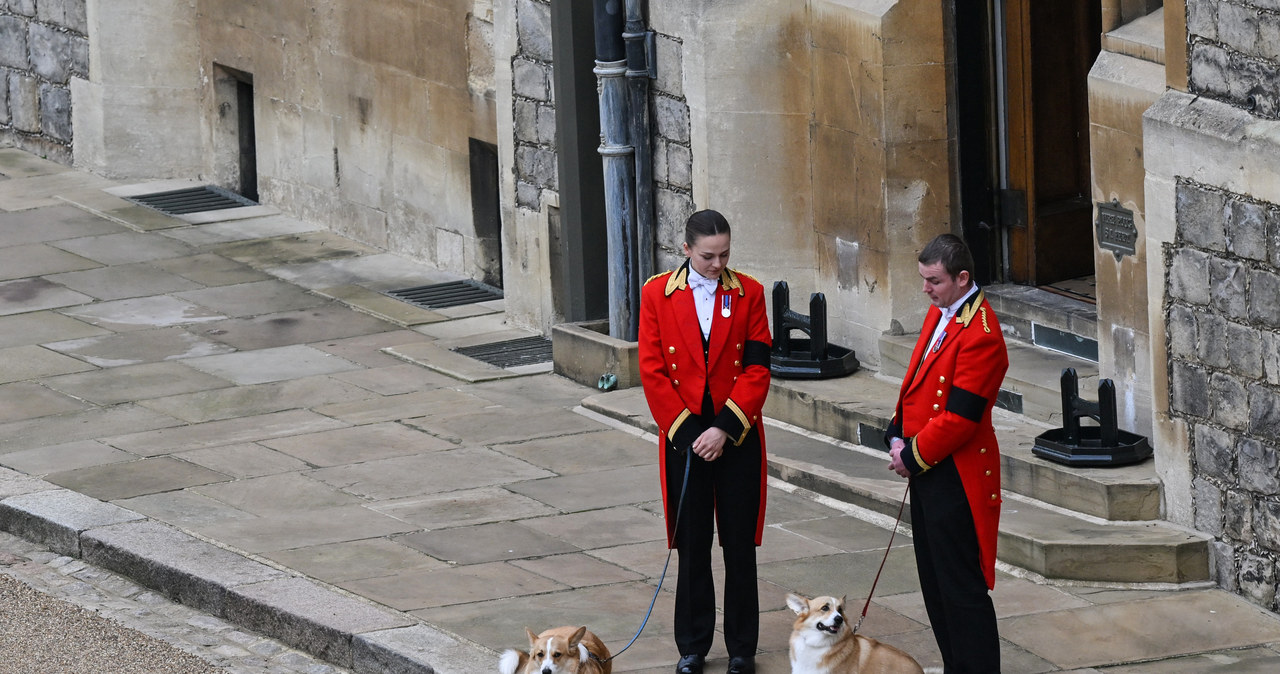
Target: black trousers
(723,494)
(955,590)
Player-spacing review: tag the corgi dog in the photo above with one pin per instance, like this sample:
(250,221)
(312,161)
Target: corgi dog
(823,642)
(559,650)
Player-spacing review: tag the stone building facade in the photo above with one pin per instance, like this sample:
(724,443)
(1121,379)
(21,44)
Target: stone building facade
(1213,187)
(832,133)
(43,45)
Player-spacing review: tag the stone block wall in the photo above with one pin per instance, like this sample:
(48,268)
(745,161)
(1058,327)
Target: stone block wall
(1235,53)
(1223,342)
(42,46)
(533,104)
(672,153)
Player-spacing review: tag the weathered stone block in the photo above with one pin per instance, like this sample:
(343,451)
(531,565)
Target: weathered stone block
(13,43)
(1269,35)
(1210,70)
(23,7)
(526,120)
(1201,214)
(1271,356)
(1247,230)
(1266,524)
(69,14)
(52,52)
(1238,27)
(1231,401)
(1222,556)
(1214,451)
(1181,327)
(1207,501)
(536,165)
(24,103)
(1264,412)
(533,26)
(1189,276)
(55,112)
(1190,390)
(56,518)
(680,166)
(1237,515)
(528,196)
(671,118)
(1244,350)
(1264,288)
(1212,331)
(674,208)
(670,71)
(1258,579)
(531,80)
(1259,466)
(1202,18)
(545,131)
(1228,287)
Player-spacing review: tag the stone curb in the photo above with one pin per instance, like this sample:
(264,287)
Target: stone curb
(337,627)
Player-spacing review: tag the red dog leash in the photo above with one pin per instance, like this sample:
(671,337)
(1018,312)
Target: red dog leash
(886,557)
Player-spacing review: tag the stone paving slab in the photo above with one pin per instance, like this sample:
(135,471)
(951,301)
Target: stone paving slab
(142,382)
(37,259)
(289,328)
(115,283)
(125,248)
(210,270)
(35,294)
(37,327)
(214,403)
(59,429)
(176,438)
(253,298)
(44,460)
(139,346)
(52,224)
(26,400)
(273,364)
(128,479)
(143,312)
(240,230)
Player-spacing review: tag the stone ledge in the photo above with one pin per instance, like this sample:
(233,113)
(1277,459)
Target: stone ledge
(57,517)
(583,352)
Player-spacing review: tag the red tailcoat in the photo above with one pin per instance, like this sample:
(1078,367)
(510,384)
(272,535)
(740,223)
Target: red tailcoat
(944,409)
(736,368)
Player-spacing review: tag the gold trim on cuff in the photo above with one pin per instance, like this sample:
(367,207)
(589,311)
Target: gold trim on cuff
(675,425)
(742,416)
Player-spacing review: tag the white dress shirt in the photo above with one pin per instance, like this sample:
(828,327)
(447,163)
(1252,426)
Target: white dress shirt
(704,298)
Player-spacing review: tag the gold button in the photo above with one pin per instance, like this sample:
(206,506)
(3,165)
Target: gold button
(993,497)
(676,382)
(673,366)
(739,347)
(735,378)
(939,393)
(755,418)
(988,473)
(671,349)
(982,451)
(942,380)
(737,363)
(935,407)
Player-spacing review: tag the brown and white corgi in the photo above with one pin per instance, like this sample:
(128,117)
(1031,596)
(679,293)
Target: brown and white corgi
(823,642)
(559,650)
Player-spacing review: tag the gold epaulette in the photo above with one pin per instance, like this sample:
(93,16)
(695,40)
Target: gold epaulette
(655,276)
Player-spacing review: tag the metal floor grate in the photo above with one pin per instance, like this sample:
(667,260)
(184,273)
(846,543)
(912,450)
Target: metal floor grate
(443,295)
(511,353)
(193,200)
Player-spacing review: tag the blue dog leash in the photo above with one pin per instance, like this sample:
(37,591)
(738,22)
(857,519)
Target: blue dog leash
(688,461)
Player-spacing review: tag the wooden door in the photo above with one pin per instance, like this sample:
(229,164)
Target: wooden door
(1050,47)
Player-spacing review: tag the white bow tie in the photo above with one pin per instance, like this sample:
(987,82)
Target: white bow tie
(703,283)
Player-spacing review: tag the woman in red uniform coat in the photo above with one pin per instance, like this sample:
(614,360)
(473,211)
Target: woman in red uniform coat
(704,364)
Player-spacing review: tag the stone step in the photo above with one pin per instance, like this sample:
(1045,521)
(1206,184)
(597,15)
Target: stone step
(1032,386)
(1046,319)
(1039,537)
(858,408)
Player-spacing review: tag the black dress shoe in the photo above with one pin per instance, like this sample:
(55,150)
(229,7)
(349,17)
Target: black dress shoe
(742,665)
(689,664)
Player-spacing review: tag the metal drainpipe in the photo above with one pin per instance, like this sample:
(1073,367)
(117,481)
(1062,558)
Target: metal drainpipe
(619,172)
(637,38)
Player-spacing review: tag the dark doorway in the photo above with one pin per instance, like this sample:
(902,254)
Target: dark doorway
(247,138)
(486,210)
(1051,45)
(1022,117)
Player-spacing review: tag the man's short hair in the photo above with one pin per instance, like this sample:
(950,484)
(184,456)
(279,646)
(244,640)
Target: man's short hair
(951,251)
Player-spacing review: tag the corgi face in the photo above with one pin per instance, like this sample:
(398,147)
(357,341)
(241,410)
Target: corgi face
(824,614)
(555,653)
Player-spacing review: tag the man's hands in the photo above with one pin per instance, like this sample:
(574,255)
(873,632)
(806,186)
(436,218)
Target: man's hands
(896,446)
(710,445)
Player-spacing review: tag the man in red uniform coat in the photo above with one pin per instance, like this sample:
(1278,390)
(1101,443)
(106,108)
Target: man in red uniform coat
(941,438)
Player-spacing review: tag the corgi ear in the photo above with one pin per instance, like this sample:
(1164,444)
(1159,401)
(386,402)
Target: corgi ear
(797,603)
(577,637)
(533,638)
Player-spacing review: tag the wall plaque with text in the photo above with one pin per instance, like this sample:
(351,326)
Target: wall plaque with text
(1116,231)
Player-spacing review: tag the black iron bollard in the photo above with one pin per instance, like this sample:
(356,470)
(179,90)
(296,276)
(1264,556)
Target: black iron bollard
(1090,446)
(811,358)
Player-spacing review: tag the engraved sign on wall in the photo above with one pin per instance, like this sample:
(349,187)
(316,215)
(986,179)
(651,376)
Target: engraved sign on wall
(1116,231)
